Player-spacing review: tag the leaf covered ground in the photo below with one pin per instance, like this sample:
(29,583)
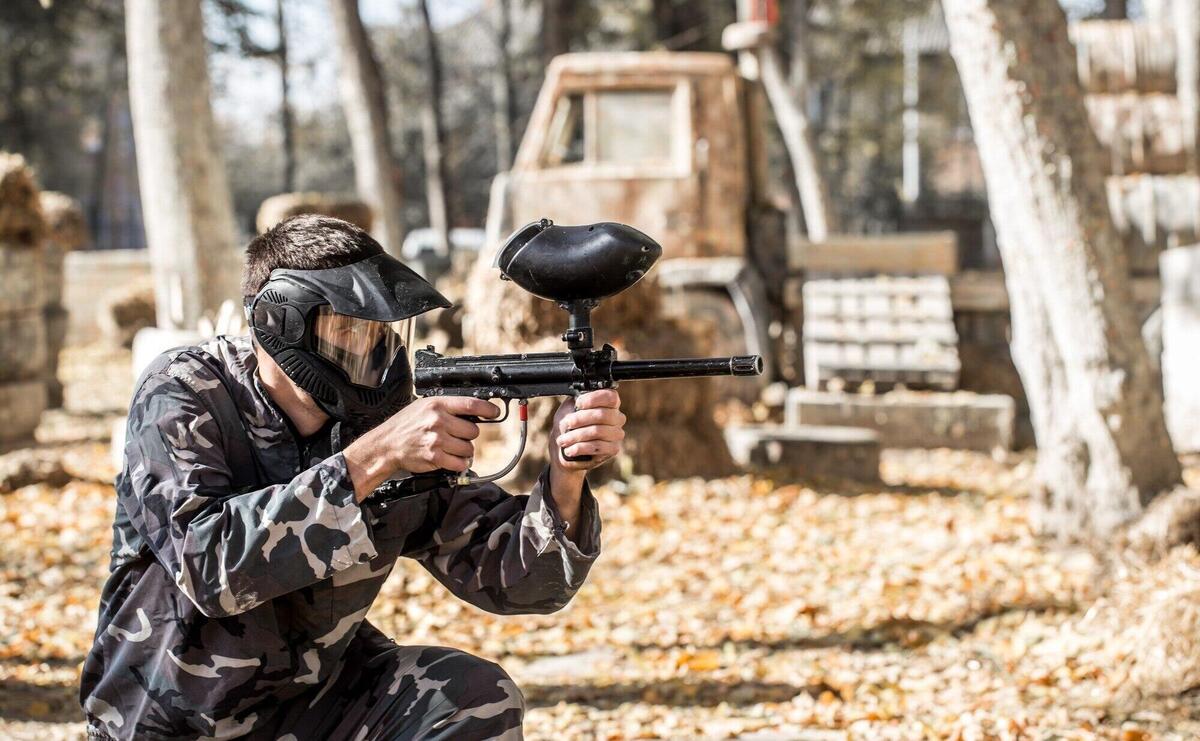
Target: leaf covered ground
(734,608)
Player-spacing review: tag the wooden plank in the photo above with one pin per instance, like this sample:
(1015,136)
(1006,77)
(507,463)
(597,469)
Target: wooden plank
(984,291)
(918,253)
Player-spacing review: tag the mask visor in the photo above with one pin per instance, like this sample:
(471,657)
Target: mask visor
(363,348)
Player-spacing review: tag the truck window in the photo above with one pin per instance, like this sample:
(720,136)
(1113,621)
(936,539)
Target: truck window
(633,126)
(565,145)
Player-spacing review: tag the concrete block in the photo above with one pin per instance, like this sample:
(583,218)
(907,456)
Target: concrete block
(912,420)
(151,342)
(806,452)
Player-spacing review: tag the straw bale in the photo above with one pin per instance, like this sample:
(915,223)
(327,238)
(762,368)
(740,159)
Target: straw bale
(1143,133)
(21,220)
(56,334)
(23,403)
(667,419)
(22,346)
(285,205)
(124,311)
(53,257)
(64,221)
(1152,618)
(1121,56)
(356,212)
(21,286)
(666,451)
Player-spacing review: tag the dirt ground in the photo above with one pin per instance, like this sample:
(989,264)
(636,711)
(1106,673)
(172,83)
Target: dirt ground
(733,608)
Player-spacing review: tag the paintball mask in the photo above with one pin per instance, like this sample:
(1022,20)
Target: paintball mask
(344,334)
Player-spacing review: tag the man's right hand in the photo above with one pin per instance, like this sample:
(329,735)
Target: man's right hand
(427,435)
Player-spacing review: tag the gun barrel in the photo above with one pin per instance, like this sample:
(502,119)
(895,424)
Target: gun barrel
(643,370)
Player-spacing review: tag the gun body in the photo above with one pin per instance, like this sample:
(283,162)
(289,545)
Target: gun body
(530,375)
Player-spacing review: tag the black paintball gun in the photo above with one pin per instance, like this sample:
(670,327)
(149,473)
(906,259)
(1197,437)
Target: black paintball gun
(576,267)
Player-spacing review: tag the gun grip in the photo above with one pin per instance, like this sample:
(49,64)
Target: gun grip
(576,458)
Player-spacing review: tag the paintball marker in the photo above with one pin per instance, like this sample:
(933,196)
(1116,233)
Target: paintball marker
(576,267)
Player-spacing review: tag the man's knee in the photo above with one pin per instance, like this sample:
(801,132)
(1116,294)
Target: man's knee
(473,684)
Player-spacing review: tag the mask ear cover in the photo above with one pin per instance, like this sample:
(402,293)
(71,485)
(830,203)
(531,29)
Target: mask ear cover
(380,288)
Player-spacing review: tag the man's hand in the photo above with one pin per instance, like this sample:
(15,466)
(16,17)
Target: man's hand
(426,435)
(591,424)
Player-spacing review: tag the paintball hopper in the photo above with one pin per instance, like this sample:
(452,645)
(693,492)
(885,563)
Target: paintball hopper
(567,264)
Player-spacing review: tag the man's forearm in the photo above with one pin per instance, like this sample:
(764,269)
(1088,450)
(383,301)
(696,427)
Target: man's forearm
(368,464)
(566,487)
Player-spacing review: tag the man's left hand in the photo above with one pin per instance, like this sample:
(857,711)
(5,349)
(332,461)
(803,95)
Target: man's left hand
(591,424)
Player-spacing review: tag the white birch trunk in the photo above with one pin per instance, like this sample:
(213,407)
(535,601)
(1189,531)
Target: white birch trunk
(1043,169)
(186,204)
(365,105)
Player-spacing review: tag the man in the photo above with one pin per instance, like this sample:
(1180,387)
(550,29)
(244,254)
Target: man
(250,539)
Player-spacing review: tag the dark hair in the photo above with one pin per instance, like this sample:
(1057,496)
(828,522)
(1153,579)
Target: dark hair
(305,242)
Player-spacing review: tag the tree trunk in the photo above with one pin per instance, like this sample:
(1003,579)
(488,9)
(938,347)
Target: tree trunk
(554,29)
(503,97)
(819,218)
(186,204)
(366,116)
(1116,10)
(1080,351)
(286,122)
(434,134)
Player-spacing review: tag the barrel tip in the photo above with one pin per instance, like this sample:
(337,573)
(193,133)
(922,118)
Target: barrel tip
(746,365)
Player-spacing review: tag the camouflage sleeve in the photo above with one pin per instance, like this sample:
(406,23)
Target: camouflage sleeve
(510,554)
(229,552)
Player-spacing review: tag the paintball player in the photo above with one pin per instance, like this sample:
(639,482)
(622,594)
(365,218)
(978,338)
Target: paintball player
(251,536)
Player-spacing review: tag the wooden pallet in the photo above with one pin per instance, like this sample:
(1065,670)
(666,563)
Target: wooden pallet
(887,330)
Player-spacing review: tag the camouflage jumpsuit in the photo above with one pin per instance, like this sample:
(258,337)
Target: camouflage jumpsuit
(236,599)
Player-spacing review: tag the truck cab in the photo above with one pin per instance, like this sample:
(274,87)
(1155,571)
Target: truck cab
(658,140)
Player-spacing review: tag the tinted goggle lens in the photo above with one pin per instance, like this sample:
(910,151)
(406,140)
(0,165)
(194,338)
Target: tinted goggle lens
(363,348)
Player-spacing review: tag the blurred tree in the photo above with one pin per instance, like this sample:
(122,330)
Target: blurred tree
(503,95)
(375,170)
(1116,9)
(789,104)
(434,133)
(185,196)
(1095,398)
(237,14)
(681,25)
(57,114)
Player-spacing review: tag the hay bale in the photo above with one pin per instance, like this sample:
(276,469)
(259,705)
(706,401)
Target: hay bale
(22,404)
(354,211)
(22,346)
(286,205)
(21,221)
(56,333)
(125,311)
(668,420)
(21,285)
(1152,616)
(66,226)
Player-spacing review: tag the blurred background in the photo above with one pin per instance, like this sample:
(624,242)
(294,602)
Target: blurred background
(960,233)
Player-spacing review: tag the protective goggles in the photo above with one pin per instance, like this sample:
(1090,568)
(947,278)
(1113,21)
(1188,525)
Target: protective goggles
(362,348)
